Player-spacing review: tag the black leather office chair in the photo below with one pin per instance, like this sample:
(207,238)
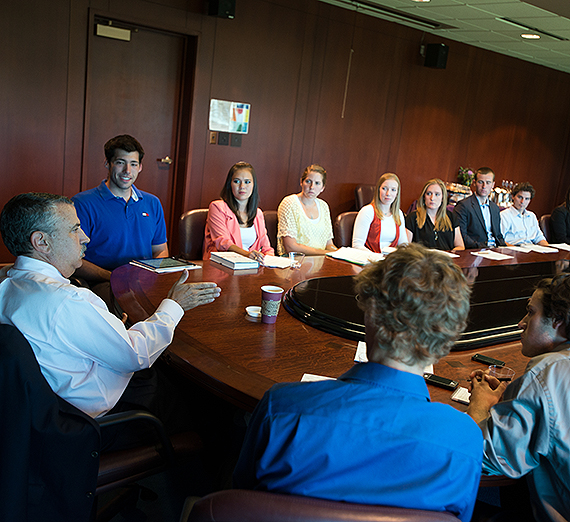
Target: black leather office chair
(191,233)
(49,450)
(51,466)
(343,226)
(270,217)
(545,226)
(259,506)
(363,194)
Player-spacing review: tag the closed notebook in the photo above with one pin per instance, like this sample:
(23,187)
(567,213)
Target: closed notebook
(233,260)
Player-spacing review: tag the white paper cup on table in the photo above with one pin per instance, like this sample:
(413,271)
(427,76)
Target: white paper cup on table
(270,302)
(501,373)
(296,259)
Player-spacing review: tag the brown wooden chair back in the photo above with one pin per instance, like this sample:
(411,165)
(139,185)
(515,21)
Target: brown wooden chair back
(270,217)
(191,233)
(343,225)
(363,194)
(545,226)
(238,505)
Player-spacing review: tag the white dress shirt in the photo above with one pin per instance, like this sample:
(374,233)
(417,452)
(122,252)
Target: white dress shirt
(486,211)
(85,353)
(520,228)
(528,433)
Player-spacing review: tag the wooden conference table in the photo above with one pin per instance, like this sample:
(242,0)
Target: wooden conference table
(238,358)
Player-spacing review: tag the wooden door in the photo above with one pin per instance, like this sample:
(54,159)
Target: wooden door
(133,87)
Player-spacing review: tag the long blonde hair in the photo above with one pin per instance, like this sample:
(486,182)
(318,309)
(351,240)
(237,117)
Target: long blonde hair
(442,221)
(395,206)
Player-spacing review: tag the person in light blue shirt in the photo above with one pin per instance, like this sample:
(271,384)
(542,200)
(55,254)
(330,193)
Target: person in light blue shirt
(519,226)
(373,436)
(526,423)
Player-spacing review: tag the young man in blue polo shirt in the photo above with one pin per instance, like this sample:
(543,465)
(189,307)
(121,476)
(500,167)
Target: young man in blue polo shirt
(122,222)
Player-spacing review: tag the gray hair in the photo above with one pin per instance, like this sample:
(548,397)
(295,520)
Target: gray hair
(28,213)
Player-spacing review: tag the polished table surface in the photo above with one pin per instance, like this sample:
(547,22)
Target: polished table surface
(237,357)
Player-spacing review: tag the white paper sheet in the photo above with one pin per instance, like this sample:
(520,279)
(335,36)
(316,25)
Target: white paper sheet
(276,262)
(543,249)
(489,254)
(355,255)
(561,246)
(311,377)
(361,356)
(519,248)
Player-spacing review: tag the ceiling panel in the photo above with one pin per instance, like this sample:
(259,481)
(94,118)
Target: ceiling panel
(475,22)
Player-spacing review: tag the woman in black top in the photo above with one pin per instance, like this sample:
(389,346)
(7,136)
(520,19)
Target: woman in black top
(431,224)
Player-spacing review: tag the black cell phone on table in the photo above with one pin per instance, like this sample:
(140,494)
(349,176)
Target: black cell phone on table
(487,360)
(442,382)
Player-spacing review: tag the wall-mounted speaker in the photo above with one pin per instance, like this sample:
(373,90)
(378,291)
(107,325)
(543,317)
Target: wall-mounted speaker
(436,55)
(222,8)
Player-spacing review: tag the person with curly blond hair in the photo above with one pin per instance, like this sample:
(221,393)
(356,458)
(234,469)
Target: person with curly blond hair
(373,436)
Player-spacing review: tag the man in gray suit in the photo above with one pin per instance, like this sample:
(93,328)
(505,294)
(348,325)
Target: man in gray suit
(478,217)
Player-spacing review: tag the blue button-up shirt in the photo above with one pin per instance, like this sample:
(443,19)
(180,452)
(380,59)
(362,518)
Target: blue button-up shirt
(371,437)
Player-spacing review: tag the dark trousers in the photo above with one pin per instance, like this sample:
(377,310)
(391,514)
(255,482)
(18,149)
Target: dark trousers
(181,406)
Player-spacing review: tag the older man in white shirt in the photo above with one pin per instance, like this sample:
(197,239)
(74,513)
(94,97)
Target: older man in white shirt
(519,226)
(86,354)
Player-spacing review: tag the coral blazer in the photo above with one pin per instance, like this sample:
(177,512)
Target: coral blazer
(222,230)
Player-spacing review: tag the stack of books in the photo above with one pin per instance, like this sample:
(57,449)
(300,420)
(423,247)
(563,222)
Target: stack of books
(233,260)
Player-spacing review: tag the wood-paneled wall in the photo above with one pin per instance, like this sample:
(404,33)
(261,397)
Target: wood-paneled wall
(289,59)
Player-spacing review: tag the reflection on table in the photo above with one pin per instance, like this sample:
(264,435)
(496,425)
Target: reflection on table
(220,347)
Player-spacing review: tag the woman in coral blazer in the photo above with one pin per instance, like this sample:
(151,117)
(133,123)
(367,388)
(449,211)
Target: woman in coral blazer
(235,223)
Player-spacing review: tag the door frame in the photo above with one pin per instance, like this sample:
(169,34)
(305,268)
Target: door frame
(183,115)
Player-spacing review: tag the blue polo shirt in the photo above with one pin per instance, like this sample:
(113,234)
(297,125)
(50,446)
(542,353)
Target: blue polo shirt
(372,436)
(119,230)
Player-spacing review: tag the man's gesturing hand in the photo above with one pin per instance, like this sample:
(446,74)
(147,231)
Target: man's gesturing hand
(191,295)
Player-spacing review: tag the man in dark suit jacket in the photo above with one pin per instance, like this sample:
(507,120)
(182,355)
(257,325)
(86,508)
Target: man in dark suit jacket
(477,231)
